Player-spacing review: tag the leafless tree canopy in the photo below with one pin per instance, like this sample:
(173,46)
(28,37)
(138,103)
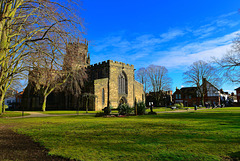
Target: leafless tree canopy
(154,78)
(158,77)
(141,76)
(199,71)
(29,28)
(230,62)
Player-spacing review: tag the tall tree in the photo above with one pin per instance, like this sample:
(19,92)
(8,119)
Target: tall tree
(141,76)
(159,80)
(24,26)
(158,76)
(51,73)
(197,73)
(46,74)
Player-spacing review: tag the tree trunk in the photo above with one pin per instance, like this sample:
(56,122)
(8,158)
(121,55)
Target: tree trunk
(135,106)
(87,105)
(1,103)
(44,103)
(202,101)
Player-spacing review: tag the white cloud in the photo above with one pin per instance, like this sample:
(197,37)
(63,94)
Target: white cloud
(215,26)
(181,56)
(171,34)
(162,48)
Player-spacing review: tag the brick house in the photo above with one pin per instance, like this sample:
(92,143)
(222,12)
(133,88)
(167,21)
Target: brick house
(159,99)
(189,95)
(238,94)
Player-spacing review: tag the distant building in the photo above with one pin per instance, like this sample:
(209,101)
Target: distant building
(238,94)
(187,96)
(10,98)
(161,98)
(190,96)
(109,82)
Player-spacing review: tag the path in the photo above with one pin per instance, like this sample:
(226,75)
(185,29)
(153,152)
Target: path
(38,114)
(175,111)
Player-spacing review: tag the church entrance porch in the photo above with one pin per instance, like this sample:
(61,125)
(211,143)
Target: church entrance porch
(123,100)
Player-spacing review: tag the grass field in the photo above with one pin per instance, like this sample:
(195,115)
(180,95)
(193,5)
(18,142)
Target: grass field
(211,134)
(13,114)
(65,112)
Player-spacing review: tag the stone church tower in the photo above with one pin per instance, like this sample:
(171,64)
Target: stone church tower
(76,55)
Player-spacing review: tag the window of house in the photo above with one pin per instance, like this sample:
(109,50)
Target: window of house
(122,83)
(176,96)
(190,96)
(179,96)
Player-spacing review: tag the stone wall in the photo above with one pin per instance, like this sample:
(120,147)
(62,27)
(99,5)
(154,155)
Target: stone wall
(116,68)
(99,86)
(101,76)
(138,92)
(98,70)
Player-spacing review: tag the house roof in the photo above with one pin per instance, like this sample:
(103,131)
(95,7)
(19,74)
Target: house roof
(237,88)
(187,89)
(211,84)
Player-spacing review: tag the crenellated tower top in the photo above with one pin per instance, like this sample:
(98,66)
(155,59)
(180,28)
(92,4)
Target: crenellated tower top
(77,55)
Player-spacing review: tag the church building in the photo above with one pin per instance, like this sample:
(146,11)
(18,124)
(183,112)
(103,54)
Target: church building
(108,82)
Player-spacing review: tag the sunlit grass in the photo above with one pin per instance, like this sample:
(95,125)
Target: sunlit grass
(212,134)
(12,114)
(65,112)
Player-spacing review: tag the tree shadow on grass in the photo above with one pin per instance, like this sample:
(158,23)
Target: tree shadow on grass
(235,156)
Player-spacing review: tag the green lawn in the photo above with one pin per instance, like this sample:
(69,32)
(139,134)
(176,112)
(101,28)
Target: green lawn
(13,114)
(114,111)
(159,109)
(212,134)
(65,112)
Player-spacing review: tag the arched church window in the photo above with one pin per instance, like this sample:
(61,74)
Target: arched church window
(122,83)
(103,96)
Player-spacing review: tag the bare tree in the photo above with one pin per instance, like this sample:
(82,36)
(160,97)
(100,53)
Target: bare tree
(158,77)
(51,73)
(197,73)
(75,83)
(46,76)
(88,96)
(24,26)
(142,77)
(230,62)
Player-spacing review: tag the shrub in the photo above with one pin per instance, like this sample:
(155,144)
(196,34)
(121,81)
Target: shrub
(179,105)
(124,109)
(100,114)
(141,108)
(107,110)
(152,113)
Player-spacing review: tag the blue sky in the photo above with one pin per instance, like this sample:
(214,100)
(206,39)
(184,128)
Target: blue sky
(172,33)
